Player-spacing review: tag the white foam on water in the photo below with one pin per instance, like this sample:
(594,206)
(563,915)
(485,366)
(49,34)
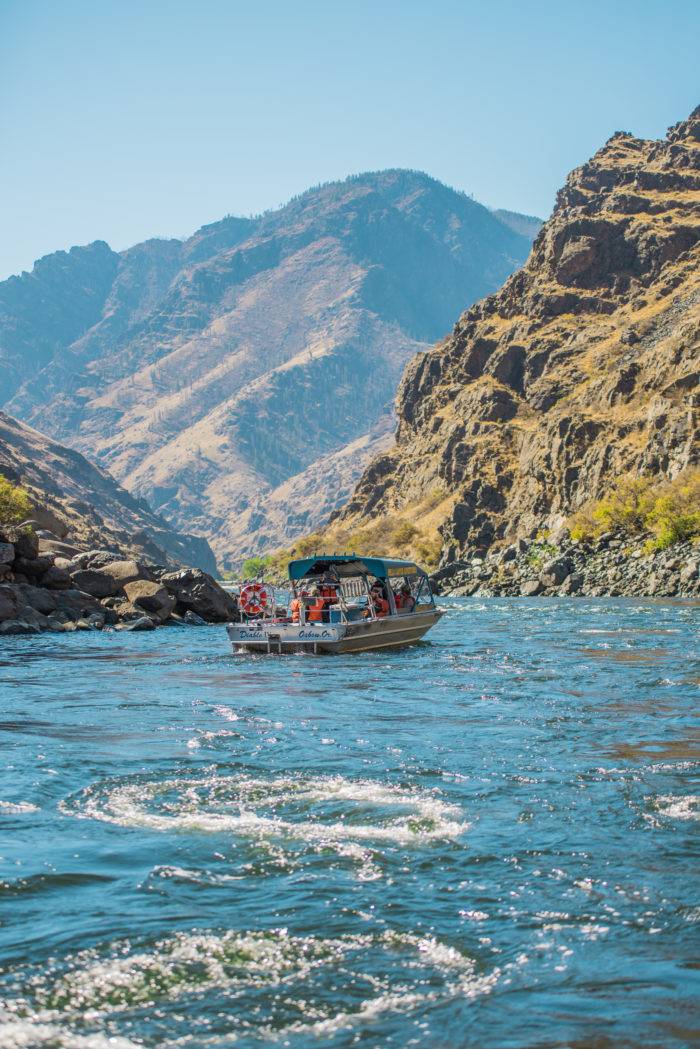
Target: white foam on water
(205,738)
(93,988)
(16,808)
(679,808)
(362,856)
(196,877)
(26,1034)
(237,798)
(464,983)
(227,713)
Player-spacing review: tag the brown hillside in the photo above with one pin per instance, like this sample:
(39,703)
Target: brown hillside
(85,506)
(240,381)
(582,369)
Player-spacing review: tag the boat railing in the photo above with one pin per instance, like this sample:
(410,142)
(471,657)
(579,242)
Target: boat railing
(354,600)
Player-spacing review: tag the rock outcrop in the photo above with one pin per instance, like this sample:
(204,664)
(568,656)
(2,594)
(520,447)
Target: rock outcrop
(581,370)
(78,506)
(98,589)
(216,377)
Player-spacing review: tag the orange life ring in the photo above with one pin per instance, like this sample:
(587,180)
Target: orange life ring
(253,598)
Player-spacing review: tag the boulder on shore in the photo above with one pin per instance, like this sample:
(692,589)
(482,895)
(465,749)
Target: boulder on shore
(48,584)
(555,571)
(196,591)
(142,623)
(94,582)
(123,572)
(60,549)
(56,578)
(152,597)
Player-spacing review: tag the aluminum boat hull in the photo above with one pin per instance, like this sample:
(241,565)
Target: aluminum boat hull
(316,638)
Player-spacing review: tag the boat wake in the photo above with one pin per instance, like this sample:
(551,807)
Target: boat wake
(97,998)
(315,809)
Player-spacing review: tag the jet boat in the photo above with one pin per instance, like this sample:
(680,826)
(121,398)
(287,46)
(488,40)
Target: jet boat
(339,603)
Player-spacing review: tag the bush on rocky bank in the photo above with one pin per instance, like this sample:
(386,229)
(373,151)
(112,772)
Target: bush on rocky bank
(667,510)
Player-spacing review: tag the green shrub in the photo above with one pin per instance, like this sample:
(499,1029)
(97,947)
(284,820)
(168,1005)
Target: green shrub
(670,510)
(256,567)
(404,533)
(539,552)
(675,513)
(429,551)
(15,504)
(307,545)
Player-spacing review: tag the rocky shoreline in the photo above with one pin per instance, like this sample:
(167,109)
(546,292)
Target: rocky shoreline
(46,585)
(613,565)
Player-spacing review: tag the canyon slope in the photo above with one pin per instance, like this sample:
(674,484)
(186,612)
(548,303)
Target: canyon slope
(581,370)
(80,503)
(241,380)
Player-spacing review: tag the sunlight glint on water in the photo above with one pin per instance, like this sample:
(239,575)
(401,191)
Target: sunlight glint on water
(488,840)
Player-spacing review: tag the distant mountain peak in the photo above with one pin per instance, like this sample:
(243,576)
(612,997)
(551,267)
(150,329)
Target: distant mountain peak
(527,225)
(225,377)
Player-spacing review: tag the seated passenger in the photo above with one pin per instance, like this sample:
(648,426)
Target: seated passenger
(404,599)
(381,605)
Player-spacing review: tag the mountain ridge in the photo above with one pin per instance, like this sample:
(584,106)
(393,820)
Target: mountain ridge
(205,351)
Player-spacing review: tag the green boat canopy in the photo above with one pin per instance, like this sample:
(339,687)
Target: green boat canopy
(344,565)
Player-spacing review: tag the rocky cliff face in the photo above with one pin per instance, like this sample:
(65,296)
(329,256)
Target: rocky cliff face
(220,377)
(84,507)
(582,369)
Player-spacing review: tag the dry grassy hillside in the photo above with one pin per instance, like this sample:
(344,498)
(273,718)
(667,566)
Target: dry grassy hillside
(581,370)
(240,380)
(83,504)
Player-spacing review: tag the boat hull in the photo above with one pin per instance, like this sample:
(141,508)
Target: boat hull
(328,638)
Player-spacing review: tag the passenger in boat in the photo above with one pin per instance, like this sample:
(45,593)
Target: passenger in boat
(297,604)
(381,605)
(316,607)
(329,590)
(404,599)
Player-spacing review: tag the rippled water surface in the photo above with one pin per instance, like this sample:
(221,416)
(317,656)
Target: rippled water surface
(487,840)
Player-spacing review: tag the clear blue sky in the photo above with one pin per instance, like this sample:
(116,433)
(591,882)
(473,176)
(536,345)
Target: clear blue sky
(123,120)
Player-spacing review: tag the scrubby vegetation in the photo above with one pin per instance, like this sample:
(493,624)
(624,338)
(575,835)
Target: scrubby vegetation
(15,504)
(391,535)
(540,551)
(666,511)
(256,567)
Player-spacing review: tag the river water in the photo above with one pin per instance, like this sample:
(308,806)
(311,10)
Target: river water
(487,840)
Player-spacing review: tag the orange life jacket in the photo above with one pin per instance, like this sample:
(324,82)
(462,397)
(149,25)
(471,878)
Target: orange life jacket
(295,607)
(315,614)
(381,606)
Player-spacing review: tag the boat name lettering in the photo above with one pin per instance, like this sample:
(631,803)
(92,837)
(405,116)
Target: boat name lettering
(310,635)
